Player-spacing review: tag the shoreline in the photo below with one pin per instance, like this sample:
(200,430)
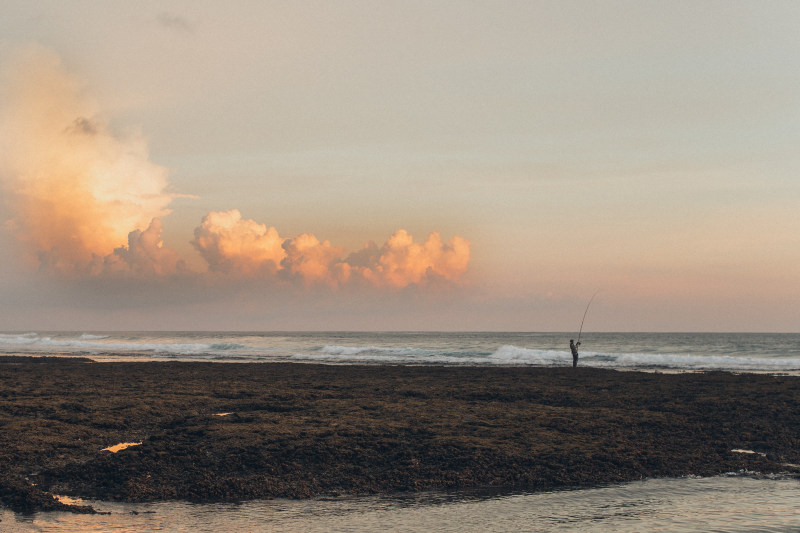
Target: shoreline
(90,357)
(304,430)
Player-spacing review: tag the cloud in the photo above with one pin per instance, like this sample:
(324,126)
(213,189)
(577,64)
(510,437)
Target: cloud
(174,22)
(401,261)
(231,245)
(144,257)
(241,247)
(87,203)
(313,261)
(238,247)
(75,188)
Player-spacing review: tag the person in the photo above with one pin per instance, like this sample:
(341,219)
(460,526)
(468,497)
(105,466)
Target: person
(574,349)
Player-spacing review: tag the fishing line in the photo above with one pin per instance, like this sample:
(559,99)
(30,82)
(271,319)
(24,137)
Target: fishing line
(584,314)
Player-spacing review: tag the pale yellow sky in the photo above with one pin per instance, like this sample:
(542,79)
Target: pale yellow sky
(644,149)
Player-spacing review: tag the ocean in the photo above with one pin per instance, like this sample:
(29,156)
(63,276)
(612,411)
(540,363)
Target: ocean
(738,501)
(739,352)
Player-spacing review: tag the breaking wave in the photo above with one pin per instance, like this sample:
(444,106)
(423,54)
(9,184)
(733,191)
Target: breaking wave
(105,344)
(670,352)
(515,355)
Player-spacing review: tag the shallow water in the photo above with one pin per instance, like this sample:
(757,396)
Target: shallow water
(734,503)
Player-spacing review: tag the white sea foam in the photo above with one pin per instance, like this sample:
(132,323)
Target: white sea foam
(526,356)
(348,358)
(18,338)
(362,354)
(514,355)
(100,344)
(744,353)
(391,355)
(690,362)
(374,350)
(224,346)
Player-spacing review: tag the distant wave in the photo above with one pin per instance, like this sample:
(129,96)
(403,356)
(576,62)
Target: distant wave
(506,355)
(515,355)
(90,337)
(90,343)
(18,338)
(224,346)
(697,362)
(375,354)
(358,350)
(435,349)
(330,358)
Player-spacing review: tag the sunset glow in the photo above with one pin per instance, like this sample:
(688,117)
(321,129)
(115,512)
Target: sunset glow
(431,166)
(76,189)
(88,203)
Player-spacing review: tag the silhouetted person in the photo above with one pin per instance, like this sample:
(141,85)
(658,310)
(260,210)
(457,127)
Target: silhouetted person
(574,349)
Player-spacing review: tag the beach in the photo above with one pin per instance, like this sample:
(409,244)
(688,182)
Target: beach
(209,432)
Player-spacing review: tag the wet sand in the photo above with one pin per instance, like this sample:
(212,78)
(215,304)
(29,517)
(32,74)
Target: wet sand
(231,432)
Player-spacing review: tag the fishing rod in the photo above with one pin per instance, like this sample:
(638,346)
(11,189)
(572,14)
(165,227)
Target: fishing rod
(584,315)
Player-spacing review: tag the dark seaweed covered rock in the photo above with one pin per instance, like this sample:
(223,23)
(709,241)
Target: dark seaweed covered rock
(21,496)
(231,432)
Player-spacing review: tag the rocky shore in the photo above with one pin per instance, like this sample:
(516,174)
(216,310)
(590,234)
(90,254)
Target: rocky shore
(229,432)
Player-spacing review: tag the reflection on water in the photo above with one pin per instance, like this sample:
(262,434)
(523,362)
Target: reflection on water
(121,446)
(723,504)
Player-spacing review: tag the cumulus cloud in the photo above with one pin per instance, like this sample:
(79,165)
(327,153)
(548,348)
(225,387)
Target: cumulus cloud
(232,245)
(403,262)
(243,247)
(144,257)
(76,189)
(312,261)
(87,202)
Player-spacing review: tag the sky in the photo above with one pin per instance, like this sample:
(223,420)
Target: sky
(400,165)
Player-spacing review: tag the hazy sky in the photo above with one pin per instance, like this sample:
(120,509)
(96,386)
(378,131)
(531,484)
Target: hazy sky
(407,165)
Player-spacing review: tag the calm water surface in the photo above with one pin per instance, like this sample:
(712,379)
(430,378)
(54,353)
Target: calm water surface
(722,504)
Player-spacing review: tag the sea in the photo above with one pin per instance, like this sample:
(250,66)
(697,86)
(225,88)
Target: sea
(736,352)
(734,502)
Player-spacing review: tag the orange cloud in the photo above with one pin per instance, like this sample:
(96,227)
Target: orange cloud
(144,257)
(232,245)
(80,195)
(403,262)
(76,189)
(312,261)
